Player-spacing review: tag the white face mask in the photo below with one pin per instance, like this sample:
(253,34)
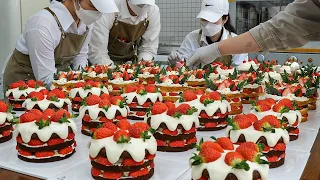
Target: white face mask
(86,16)
(139,10)
(210,29)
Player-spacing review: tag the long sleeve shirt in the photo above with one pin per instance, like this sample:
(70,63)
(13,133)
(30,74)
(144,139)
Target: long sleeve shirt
(298,24)
(98,47)
(194,41)
(42,35)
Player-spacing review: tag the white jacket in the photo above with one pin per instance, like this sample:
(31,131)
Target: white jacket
(191,43)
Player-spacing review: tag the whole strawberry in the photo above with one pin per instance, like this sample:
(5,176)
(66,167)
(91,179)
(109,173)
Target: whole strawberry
(158,108)
(252,155)
(92,100)
(236,160)
(118,101)
(36,96)
(121,136)
(102,133)
(3,107)
(206,155)
(239,122)
(188,96)
(104,104)
(151,89)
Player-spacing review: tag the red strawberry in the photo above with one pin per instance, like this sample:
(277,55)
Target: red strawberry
(211,145)
(20,84)
(6,133)
(105,104)
(136,132)
(252,155)
(225,143)
(105,96)
(121,136)
(170,104)
(102,133)
(204,98)
(210,125)
(151,89)
(71,136)
(270,101)
(253,118)
(79,85)
(176,144)
(59,115)
(44,154)
(32,83)
(111,175)
(24,153)
(236,160)
(199,92)
(125,76)
(273,121)
(192,130)
(142,125)
(28,117)
(131,162)
(170,133)
(272,159)
(188,95)
(3,107)
(262,108)
(49,112)
(160,143)
(129,89)
(280,108)
(286,102)
(36,96)
(240,121)
(19,139)
(55,141)
(168,68)
(280,147)
(199,74)
(207,155)
(110,126)
(139,173)
(183,108)
(93,100)
(117,101)
(35,142)
(44,91)
(103,160)
(36,112)
(123,124)
(215,96)
(158,108)
(140,113)
(250,145)
(146,104)
(60,94)
(66,150)
(150,156)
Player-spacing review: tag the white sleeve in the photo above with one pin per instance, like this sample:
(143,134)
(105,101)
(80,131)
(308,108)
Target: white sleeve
(150,39)
(40,45)
(188,46)
(98,46)
(82,59)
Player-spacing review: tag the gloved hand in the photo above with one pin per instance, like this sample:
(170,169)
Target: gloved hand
(174,57)
(204,56)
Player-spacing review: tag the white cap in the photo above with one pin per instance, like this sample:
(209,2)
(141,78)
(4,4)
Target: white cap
(213,10)
(137,2)
(105,6)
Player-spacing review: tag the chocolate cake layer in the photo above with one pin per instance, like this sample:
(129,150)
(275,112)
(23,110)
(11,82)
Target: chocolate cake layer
(179,137)
(51,106)
(256,175)
(5,139)
(86,133)
(101,114)
(120,168)
(5,128)
(45,148)
(145,177)
(211,129)
(135,109)
(274,153)
(293,137)
(46,160)
(124,155)
(261,139)
(136,118)
(277,164)
(164,126)
(175,149)
(206,120)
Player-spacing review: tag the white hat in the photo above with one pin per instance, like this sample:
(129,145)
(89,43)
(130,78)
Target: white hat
(137,2)
(213,10)
(105,6)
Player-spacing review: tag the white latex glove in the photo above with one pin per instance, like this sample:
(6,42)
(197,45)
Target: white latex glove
(204,56)
(174,57)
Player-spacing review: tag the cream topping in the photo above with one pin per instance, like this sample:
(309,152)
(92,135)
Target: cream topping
(153,97)
(121,81)
(16,93)
(27,129)
(94,111)
(44,104)
(246,66)
(5,116)
(84,92)
(136,148)
(291,116)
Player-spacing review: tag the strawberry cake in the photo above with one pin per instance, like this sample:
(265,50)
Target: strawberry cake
(18,92)
(82,90)
(123,152)
(5,119)
(171,85)
(140,98)
(267,131)
(45,137)
(55,99)
(96,73)
(253,86)
(196,79)
(221,159)
(122,79)
(213,111)
(219,70)
(175,127)
(291,66)
(284,110)
(147,74)
(96,111)
(250,65)
(64,80)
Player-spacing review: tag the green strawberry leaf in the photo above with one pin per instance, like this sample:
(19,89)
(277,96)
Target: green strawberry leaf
(192,110)
(41,124)
(15,121)
(145,135)
(123,140)
(242,165)
(64,119)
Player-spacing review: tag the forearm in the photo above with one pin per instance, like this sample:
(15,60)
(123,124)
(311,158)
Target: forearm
(243,43)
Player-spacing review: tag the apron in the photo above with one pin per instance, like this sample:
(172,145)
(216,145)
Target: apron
(19,66)
(124,40)
(223,59)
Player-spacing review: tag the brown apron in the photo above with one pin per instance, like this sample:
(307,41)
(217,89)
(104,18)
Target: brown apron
(121,51)
(223,59)
(19,66)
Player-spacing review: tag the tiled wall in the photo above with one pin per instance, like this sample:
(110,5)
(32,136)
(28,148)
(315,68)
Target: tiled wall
(178,18)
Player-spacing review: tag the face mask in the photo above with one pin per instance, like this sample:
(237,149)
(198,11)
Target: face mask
(86,16)
(139,10)
(210,29)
